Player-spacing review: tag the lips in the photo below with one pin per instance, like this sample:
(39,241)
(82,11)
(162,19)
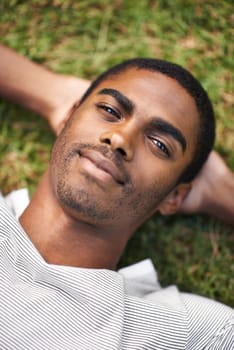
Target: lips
(103,163)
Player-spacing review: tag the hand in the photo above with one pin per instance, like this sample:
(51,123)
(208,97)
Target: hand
(72,89)
(212,191)
(31,85)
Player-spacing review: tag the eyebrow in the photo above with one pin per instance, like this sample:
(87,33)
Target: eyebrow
(127,105)
(167,128)
(157,123)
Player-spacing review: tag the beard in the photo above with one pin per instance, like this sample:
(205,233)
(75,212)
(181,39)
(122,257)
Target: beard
(86,200)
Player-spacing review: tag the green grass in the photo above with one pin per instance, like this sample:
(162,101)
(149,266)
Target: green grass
(84,38)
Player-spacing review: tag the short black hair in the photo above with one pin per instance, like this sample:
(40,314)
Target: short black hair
(206,132)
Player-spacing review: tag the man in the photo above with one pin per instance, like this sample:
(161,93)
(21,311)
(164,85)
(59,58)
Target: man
(130,148)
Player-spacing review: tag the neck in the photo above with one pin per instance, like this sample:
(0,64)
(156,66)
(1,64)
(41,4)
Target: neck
(63,240)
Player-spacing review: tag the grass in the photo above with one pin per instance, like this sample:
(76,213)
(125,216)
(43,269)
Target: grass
(84,38)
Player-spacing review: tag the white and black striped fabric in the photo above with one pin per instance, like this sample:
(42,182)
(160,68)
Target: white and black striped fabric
(50,307)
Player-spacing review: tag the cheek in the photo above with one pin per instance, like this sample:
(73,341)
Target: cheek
(145,199)
(153,171)
(154,178)
(150,170)
(84,129)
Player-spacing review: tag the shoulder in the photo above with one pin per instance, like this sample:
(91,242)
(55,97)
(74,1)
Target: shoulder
(192,320)
(210,323)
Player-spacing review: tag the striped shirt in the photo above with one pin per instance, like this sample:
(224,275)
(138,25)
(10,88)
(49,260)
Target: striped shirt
(52,307)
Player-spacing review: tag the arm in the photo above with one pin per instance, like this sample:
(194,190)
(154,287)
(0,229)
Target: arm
(34,87)
(212,191)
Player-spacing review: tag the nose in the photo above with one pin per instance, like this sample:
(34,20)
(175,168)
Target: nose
(119,142)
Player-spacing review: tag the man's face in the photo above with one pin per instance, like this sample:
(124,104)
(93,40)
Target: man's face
(124,148)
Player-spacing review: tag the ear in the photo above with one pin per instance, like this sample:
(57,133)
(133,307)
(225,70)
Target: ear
(172,203)
(66,117)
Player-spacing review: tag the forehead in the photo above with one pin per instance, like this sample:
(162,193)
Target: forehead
(156,95)
(154,87)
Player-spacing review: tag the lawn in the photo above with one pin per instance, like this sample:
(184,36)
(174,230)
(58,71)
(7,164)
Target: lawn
(84,38)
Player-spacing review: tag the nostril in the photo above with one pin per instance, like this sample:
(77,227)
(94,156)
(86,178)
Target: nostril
(117,142)
(122,151)
(107,141)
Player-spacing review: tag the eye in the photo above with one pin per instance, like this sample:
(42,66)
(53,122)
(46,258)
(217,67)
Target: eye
(160,145)
(110,112)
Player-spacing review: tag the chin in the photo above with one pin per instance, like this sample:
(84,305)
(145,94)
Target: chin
(82,205)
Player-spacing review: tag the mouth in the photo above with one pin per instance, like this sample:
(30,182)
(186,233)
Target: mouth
(100,166)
